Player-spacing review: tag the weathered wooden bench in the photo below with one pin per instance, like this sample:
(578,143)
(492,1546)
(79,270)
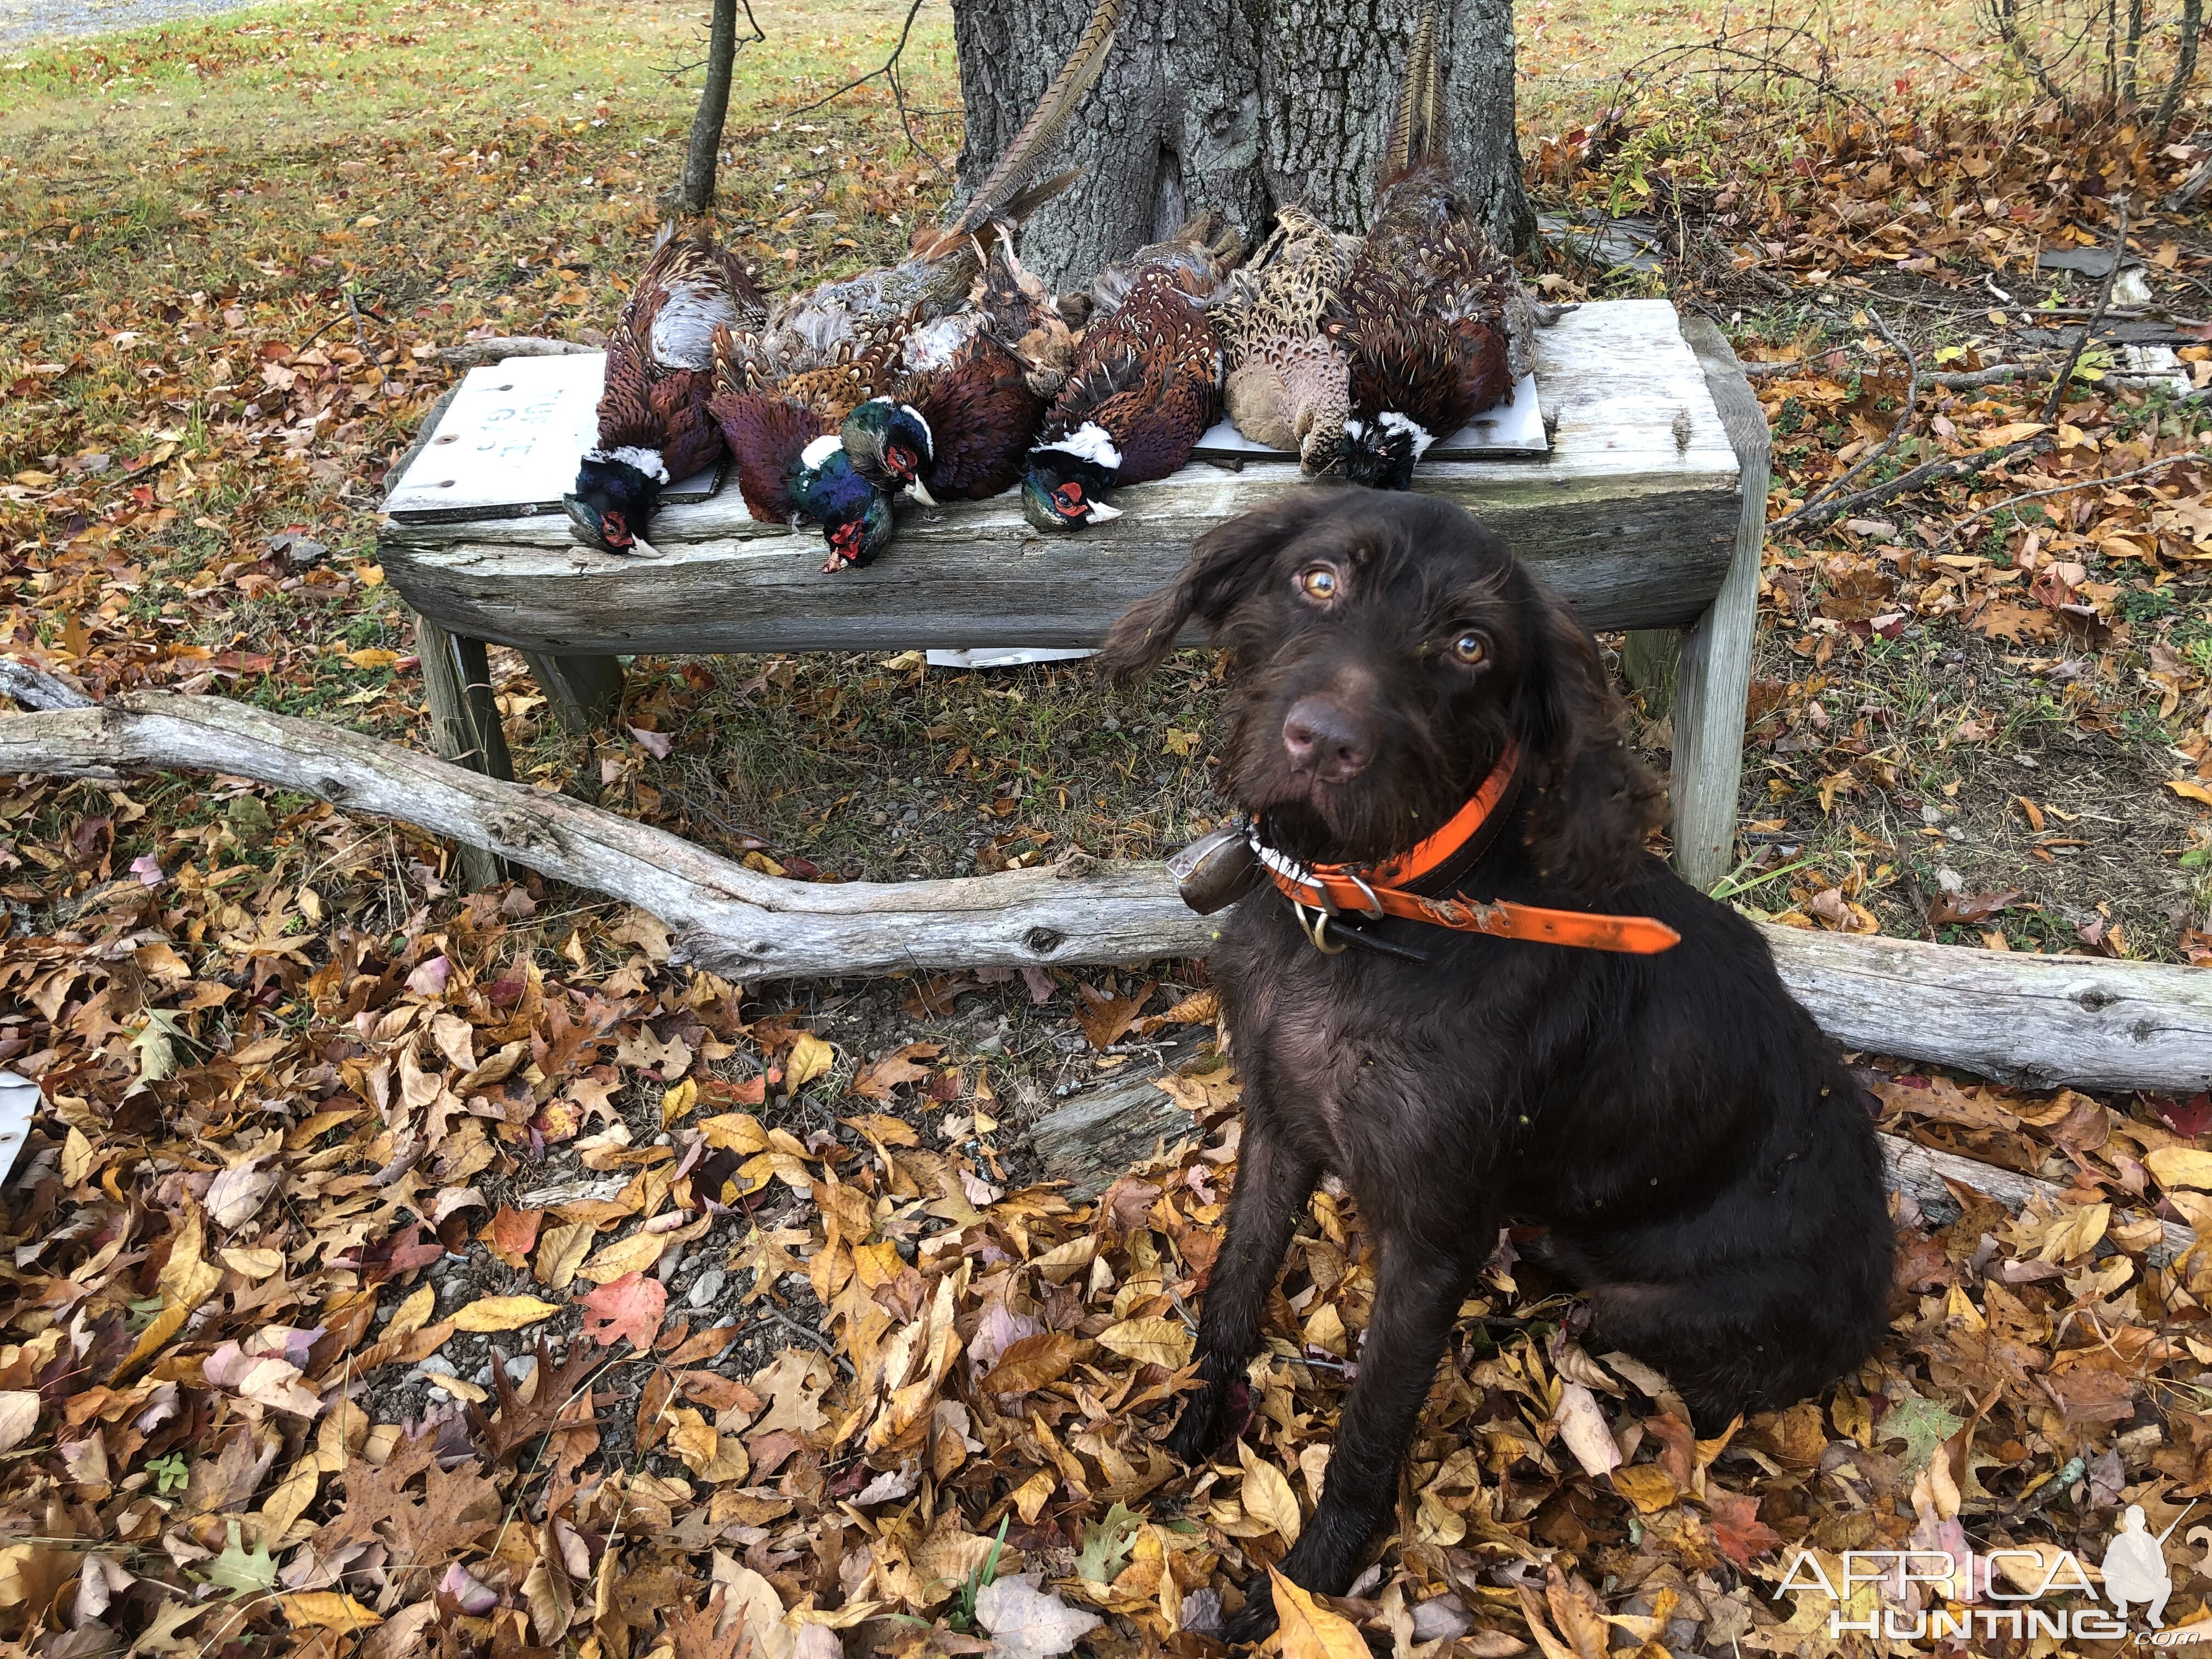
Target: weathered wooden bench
(1647,515)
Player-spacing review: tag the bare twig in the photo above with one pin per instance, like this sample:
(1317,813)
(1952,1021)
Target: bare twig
(2143,471)
(1906,483)
(2057,397)
(471,353)
(889,70)
(1888,442)
(360,334)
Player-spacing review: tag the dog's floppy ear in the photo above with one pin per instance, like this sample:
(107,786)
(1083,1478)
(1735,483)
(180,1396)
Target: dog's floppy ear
(1224,564)
(1592,803)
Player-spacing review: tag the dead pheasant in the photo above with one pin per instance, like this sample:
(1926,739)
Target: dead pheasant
(653,423)
(808,331)
(1288,383)
(968,405)
(1145,384)
(1436,321)
(783,438)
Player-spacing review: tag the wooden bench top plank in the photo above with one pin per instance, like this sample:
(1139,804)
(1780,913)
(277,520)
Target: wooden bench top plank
(1633,518)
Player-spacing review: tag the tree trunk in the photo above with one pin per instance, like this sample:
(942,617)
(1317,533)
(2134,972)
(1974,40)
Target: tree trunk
(705,154)
(1238,107)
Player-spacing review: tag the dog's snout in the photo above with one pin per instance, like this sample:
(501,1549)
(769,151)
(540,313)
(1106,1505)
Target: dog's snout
(1328,739)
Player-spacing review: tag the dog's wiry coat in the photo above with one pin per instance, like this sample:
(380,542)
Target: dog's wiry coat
(1702,1162)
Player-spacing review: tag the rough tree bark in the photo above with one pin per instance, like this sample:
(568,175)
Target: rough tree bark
(1238,106)
(701,160)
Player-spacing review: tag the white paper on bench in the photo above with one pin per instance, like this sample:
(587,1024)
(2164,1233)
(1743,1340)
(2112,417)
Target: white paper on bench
(1512,429)
(1009,656)
(509,444)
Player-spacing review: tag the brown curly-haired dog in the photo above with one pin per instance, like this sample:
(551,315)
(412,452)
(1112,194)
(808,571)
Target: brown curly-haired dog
(1704,1167)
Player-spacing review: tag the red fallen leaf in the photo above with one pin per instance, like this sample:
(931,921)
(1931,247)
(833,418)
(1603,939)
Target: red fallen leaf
(2192,1116)
(513,1235)
(630,1306)
(505,993)
(1737,1530)
(1969,907)
(751,1092)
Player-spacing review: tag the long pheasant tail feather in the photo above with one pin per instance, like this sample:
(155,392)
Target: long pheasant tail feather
(1416,123)
(1434,139)
(1050,119)
(1022,203)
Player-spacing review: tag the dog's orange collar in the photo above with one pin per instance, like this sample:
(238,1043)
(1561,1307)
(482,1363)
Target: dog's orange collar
(1382,890)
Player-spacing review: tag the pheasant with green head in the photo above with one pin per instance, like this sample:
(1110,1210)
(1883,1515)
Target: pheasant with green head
(967,408)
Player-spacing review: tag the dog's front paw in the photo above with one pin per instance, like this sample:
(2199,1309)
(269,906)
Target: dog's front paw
(1212,1417)
(1256,1623)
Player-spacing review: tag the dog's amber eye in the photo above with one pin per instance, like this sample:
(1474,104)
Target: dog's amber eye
(1470,647)
(1318,583)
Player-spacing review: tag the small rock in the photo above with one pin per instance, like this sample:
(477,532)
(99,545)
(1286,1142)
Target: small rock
(439,1396)
(707,1287)
(483,1376)
(1950,880)
(1931,814)
(522,1368)
(992,1044)
(665,1269)
(438,1366)
(664,1138)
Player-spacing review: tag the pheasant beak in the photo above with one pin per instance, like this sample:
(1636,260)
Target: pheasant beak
(1102,514)
(920,491)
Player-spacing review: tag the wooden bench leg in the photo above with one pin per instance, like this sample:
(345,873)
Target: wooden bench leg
(464,724)
(584,691)
(1715,679)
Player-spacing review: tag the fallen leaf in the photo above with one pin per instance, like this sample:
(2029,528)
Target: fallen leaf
(631,1306)
(1268,1494)
(1582,1425)
(2180,1166)
(810,1057)
(19,1415)
(502,1313)
(1026,1622)
(1311,1631)
(1149,1341)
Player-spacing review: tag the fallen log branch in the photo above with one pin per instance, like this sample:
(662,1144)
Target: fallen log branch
(474,353)
(1106,1130)
(2012,1016)
(732,919)
(34,688)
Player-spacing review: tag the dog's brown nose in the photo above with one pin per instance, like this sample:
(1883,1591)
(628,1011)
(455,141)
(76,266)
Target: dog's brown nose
(1326,739)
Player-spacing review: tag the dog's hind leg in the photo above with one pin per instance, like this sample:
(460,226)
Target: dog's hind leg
(1273,1181)
(1743,1339)
(1417,1292)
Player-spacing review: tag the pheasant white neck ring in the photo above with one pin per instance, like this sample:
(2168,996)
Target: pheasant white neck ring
(646,461)
(1090,442)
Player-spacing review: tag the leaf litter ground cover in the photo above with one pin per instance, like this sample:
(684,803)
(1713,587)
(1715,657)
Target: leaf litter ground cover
(397,1266)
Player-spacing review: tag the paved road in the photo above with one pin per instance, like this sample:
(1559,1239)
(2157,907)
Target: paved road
(28,22)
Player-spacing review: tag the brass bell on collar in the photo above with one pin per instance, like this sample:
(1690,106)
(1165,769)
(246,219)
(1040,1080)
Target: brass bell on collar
(1216,870)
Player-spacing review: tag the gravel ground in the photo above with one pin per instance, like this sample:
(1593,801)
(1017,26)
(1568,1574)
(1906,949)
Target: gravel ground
(27,22)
